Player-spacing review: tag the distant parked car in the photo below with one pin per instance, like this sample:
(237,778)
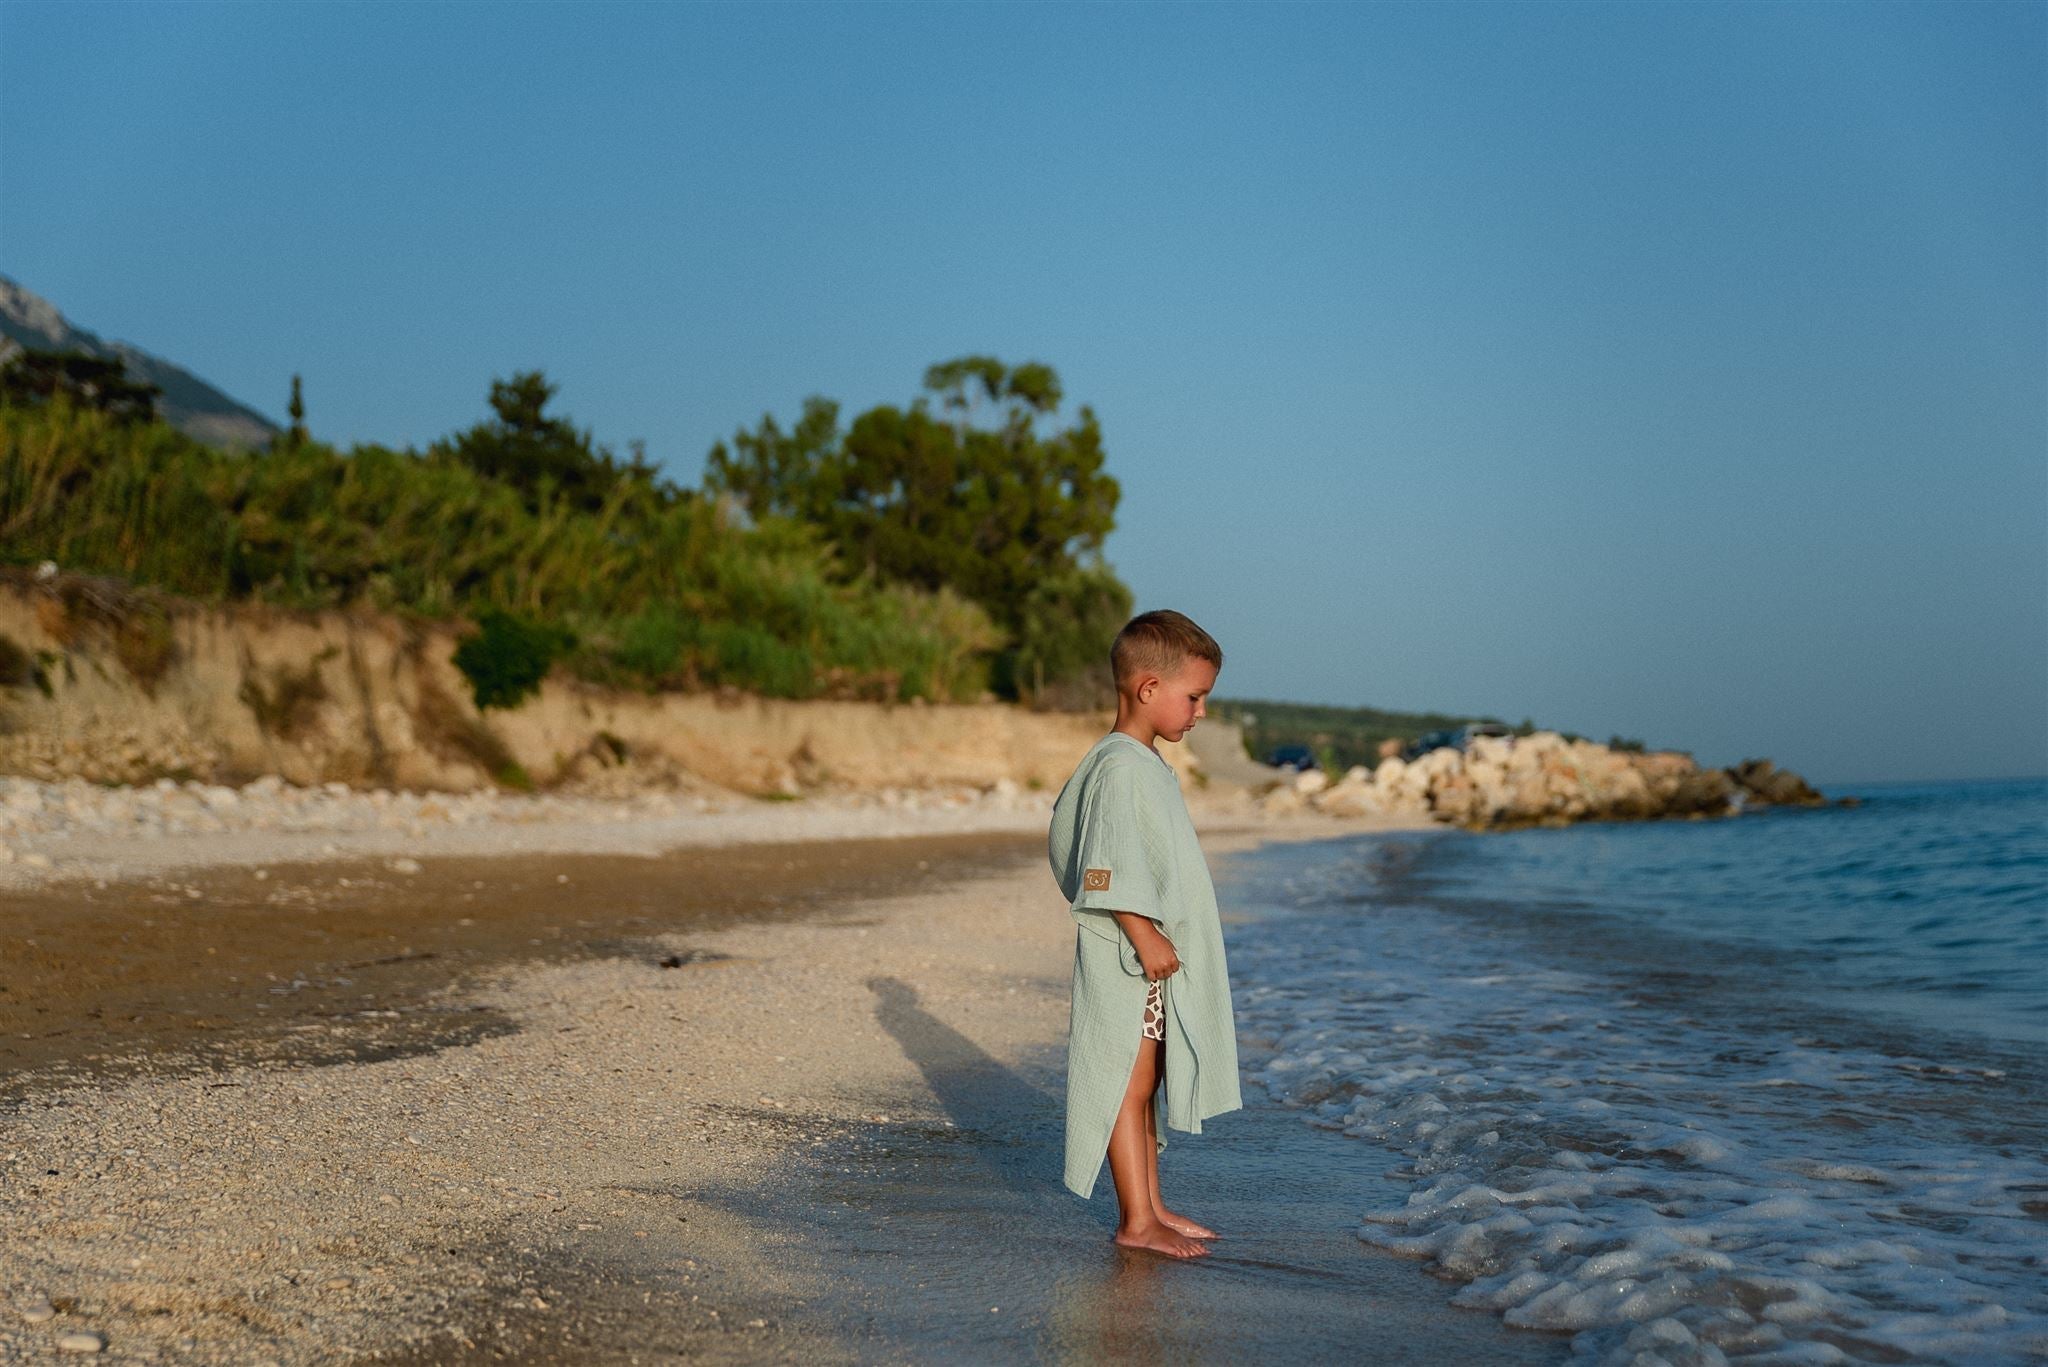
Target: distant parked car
(1456,737)
(1426,742)
(1291,757)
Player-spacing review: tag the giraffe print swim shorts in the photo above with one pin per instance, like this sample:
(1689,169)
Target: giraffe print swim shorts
(1155,1012)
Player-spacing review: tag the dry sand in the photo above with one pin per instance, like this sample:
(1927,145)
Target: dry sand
(466,1114)
(77,832)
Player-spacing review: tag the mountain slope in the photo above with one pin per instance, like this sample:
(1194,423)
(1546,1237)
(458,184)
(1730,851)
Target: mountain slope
(188,403)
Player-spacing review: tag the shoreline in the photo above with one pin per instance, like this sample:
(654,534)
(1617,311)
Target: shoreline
(570,1152)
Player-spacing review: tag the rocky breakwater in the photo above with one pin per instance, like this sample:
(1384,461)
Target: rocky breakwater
(1543,780)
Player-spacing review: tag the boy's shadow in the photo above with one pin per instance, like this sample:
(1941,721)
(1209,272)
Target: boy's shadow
(1010,1127)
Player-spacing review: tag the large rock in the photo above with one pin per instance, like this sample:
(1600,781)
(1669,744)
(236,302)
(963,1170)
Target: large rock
(1218,747)
(1705,792)
(1457,799)
(1282,801)
(1349,799)
(1764,784)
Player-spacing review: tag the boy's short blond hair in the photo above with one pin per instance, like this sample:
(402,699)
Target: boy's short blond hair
(1160,642)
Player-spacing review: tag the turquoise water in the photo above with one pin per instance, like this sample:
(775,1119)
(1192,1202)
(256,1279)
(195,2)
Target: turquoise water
(1929,903)
(1766,1089)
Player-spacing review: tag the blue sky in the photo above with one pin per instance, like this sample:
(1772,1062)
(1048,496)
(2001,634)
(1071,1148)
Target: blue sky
(1669,370)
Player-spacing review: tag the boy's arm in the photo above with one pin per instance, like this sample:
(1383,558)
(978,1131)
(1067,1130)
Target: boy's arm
(1155,951)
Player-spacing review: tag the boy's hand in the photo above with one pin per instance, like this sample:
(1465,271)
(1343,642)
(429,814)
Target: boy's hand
(1155,952)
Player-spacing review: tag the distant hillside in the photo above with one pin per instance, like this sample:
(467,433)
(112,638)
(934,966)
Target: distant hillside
(1338,736)
(189,403)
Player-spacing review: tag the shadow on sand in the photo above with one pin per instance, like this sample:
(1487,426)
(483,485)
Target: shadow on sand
(1012,1125)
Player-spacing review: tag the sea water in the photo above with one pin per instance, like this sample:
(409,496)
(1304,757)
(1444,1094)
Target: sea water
(1764,1089)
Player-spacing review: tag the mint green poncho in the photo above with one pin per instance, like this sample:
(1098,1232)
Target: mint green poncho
(1121,840)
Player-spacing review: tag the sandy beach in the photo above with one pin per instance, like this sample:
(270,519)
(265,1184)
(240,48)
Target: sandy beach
(749,1099)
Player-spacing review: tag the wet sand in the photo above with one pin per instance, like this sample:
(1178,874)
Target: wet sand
(329,962)
(829,1133)
(960,1249)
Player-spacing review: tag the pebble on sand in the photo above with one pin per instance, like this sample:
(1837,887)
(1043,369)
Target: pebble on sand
(39,1312)
(82,1341)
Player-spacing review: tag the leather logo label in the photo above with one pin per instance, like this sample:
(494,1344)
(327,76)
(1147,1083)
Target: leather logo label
(1095,880)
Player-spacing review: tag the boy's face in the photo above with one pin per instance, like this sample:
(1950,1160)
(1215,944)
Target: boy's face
(1172,705)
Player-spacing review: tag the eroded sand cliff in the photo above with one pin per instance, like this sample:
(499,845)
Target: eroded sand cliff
(109,684)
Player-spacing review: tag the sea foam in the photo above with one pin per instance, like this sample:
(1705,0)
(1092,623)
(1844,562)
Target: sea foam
(1667,1184)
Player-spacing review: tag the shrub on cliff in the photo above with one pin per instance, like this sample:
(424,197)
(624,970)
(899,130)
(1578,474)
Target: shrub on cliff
(508,657)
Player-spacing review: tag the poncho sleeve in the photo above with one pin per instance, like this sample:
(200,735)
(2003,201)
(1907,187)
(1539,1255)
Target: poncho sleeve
(1121,859)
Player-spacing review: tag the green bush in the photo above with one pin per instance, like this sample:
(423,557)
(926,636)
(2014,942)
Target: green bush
(507,659)
(741,648)
(652,640)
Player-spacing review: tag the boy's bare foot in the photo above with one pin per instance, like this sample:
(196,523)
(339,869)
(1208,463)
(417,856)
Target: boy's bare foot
(1158,1238)
(1181,1224)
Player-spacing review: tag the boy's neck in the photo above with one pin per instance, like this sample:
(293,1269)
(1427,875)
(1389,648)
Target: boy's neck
(1131,724)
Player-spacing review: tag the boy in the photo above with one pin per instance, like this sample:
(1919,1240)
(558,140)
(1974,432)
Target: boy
(1151,996)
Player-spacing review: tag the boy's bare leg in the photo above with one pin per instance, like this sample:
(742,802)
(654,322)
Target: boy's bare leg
(1133,1165)
(1179,1223)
